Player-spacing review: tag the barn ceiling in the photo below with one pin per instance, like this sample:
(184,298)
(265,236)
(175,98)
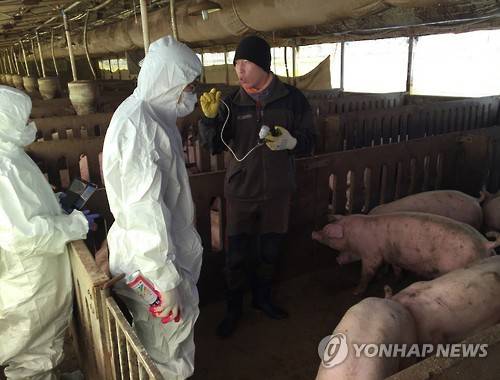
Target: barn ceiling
(114,25)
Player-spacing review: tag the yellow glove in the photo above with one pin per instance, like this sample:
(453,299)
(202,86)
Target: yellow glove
(209,102)
(283,139)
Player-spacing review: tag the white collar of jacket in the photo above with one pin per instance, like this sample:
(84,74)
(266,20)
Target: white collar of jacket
(167,68)
(15,109)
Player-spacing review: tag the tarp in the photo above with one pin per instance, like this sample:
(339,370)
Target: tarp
(317,79)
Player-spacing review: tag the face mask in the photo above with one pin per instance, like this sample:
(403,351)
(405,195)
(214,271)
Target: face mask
(28,134)
(186,103)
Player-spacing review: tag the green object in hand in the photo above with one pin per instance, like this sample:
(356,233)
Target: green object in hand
(275,132)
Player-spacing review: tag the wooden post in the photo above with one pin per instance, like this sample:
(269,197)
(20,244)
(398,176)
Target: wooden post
(342,50)
(286,69)
(203,73)
(145,26)
(409,73)
(225,64)
(173,19)
(119,70)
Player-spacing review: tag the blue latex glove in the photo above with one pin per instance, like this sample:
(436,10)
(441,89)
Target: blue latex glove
(91,219)
(60,195)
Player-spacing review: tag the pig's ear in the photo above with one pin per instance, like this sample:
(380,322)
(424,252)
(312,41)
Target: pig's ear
(484,196)
(336,231)
(334,218)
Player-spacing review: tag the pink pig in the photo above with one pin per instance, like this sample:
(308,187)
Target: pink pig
(372,321)
(456,305)
(429,245)
(491,210)
(450,203)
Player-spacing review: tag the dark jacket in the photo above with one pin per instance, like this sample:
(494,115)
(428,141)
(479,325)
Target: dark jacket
(264,174)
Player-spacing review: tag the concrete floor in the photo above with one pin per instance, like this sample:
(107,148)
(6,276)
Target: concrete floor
(277,350)
(262,348)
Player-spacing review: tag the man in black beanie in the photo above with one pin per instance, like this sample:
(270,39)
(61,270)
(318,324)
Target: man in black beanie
(260,178)
(255,50)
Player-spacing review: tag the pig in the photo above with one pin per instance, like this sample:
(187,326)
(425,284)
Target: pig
(429,245)
(372,321)
(450,203)
(491,211)
(456,305)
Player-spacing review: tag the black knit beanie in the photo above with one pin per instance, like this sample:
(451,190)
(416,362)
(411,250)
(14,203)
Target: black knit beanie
(256,50)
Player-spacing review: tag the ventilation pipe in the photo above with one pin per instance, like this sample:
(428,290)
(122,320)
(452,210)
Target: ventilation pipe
(239,17)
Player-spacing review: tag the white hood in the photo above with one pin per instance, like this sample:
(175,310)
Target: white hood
(15,109)
(166,70)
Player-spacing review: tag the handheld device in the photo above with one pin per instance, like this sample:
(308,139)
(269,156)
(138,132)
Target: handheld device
(77,195)
(265,130)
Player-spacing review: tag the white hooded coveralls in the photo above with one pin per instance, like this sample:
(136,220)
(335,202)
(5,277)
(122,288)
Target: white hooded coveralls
(149,195)
(35,275)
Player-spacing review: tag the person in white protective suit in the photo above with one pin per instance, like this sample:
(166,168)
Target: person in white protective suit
(149,195)
(35,274)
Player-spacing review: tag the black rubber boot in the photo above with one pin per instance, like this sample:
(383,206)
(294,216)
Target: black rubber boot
(262,301)
(228,325)
(269,250)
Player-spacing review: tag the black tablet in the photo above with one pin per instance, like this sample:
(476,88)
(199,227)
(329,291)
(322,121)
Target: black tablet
(77,194)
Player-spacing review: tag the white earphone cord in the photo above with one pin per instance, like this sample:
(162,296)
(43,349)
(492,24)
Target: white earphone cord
(228,147)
